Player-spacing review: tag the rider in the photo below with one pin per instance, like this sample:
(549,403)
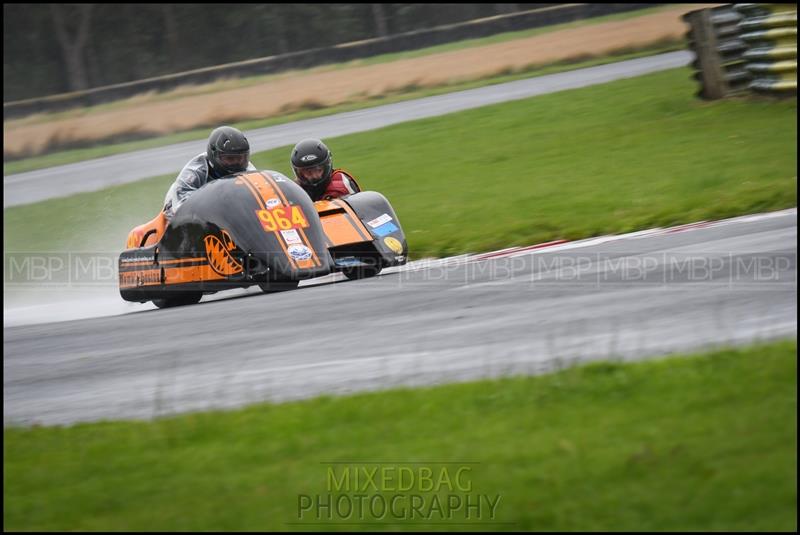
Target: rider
(312,164)
(228,152)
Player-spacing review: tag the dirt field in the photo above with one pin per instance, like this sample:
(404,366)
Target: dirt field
(343,85)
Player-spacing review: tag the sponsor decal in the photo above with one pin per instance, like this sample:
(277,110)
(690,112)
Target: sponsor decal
(137,259)
(386,228)
(291,237)
(282,218)
(139,278)
(272,203)
(218,252)
(378,221)
(394,244)
(308,158)
(299,252)
(349,261)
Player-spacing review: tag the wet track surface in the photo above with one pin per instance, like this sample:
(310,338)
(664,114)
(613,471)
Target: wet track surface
(92,175)
(623,297)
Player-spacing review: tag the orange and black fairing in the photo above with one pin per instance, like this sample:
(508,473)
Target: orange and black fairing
(341,225)
(149,233)
(252,228)
(232,232)
(375,217)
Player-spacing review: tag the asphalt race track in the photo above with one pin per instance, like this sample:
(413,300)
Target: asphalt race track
(93,175)
(517,311)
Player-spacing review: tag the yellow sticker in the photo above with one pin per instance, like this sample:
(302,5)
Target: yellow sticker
(282,218)
(394,244)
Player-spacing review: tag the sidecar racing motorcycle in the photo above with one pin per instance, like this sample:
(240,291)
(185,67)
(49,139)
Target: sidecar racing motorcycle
(256,228)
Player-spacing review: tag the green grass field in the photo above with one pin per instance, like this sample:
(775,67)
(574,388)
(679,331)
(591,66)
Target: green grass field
(707,443)
(610,158)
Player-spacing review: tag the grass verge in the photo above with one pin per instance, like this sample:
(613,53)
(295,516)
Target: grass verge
(617,157)
(60,151)
(706,443)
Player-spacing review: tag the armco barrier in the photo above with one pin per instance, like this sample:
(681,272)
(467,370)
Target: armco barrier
(533,18)
(770,32)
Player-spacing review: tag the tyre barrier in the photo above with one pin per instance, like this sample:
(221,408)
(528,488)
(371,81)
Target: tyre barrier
(770,33)
(744,48)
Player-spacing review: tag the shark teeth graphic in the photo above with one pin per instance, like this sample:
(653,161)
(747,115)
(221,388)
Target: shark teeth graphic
(219,257)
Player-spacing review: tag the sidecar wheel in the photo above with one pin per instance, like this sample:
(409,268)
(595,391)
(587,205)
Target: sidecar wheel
(362,272)
(275,287)
(186,298)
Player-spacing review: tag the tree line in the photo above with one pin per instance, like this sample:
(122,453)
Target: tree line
(57,48)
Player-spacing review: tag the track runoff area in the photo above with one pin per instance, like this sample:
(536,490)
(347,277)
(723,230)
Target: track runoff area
(521,310)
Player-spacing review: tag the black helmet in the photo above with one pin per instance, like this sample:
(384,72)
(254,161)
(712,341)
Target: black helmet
(228,151)
(312,163)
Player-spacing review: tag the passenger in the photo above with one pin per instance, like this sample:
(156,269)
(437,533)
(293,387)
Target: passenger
(312,164)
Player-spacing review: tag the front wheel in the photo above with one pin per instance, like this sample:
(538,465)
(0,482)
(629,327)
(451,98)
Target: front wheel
(362,272)
(274,286)
(185,298)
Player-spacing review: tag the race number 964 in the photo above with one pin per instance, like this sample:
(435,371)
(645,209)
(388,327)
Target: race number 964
(282,218)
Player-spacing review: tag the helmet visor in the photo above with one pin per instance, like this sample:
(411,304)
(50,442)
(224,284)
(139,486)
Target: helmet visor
(234,162)
(311,174)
